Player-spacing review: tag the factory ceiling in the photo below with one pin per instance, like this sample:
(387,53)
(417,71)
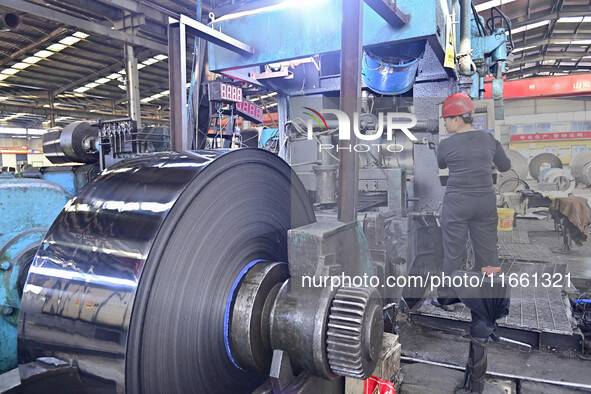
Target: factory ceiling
(66,60)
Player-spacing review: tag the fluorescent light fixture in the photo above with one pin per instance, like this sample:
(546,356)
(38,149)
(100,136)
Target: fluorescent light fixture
(44,53)
(20,66)
(2,98)
(150,61)
(9,71)
(491,4)
(570,19)
(102,80)
(113,76)
(121,72)
(161,57)
(56,47)
(523,49)
(146,100)
(3,76)
(69,40)
(81,89)
(166,93)
(140,66)
(31,59)
(271,105)
(79,34)
(531,26)
(580,42)
(91,85)
(156,96)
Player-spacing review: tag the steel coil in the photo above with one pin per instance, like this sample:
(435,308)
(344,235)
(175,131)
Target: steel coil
(535,164)
(518,163)
(577,166)
(131,281)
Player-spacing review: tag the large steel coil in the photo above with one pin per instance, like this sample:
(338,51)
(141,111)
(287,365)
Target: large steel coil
(546,158)
(577,167)
(518,163)
(131,281)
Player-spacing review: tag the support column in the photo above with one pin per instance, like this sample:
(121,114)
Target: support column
(133,86)
(177,77)
(351,53)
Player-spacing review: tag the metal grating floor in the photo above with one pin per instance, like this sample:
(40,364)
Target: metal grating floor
(541,309)
(526,252)
(516,236)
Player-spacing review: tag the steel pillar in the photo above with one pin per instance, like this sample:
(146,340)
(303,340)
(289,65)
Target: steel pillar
(177,77)
(133,86)
(351,53)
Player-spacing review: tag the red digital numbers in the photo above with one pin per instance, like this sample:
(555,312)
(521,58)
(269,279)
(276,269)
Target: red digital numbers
(251,110)
(230,92)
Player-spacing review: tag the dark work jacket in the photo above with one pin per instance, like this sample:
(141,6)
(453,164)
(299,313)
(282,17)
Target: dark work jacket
(470,157)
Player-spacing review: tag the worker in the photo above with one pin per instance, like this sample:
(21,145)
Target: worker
(470,201)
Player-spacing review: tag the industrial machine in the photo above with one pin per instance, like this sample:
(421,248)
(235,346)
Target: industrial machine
(187,271)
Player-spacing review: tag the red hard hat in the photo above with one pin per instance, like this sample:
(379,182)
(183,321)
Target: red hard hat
(456,105)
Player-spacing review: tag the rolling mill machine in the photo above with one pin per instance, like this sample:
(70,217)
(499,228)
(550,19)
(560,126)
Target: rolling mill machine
(185,271)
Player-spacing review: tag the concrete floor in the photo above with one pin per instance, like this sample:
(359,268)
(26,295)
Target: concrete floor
(452,348)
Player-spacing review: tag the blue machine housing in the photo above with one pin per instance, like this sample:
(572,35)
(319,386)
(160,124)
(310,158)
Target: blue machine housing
(28,207)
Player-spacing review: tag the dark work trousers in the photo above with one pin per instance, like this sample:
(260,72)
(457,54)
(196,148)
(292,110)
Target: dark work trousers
(474,211)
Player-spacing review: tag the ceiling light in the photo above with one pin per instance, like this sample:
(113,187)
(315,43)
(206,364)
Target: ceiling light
(32,59)
(146,100)
(161,57)
(3,77)
(150,61)
(113,76)
(56,47)
(20,66)
(157,96)
(43,54)
(81,89)
(531,26)
(91,85)
(570,19)
(491,4)
(9,71)
(122,72)
(166,93)
(79,34)
(581,42)
(102,80)
(140,66)
(69,40)
(522,49)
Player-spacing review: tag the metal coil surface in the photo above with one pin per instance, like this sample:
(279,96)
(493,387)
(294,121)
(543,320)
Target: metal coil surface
(131,281)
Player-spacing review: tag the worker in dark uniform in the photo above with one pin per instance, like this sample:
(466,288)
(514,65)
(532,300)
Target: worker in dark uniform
(470,200)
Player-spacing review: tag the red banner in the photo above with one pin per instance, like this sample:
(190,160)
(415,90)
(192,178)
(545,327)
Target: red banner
(551,136)
(557,86)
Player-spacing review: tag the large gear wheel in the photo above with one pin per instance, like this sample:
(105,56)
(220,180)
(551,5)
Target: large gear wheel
(352,351)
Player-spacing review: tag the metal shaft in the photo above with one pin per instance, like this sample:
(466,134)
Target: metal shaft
(351,52)
(465,45)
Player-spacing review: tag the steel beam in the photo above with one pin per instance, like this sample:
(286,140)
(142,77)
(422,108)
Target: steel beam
(21,52)
(177,77)
(351,54)
(90,77)
(388,10)
(216,37)
(133,88)
(83,24)
(65,112)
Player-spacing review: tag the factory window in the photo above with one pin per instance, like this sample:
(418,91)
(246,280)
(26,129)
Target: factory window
(514,129)
(561,127)
(576,149)
(545,127)
(582,126)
